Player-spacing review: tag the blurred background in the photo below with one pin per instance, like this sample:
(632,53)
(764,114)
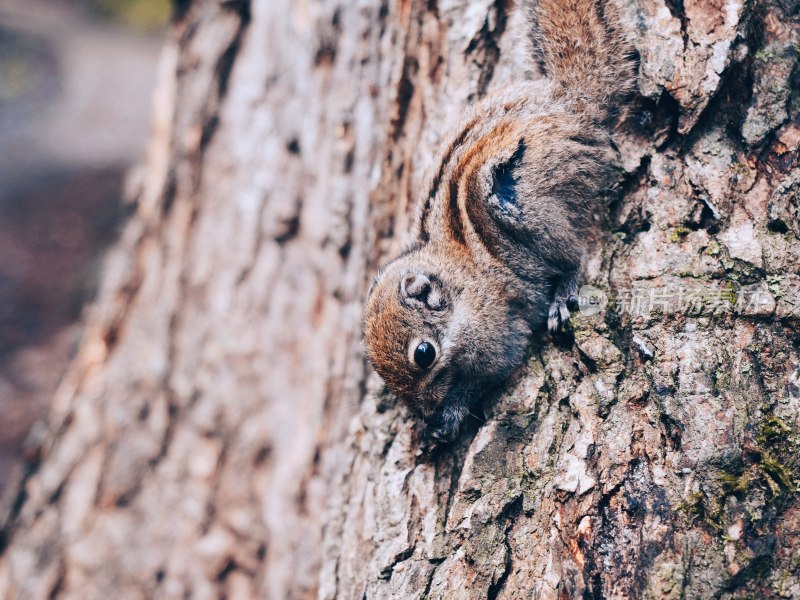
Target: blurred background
(76,78)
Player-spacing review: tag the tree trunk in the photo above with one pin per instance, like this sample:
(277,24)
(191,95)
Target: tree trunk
(219,432)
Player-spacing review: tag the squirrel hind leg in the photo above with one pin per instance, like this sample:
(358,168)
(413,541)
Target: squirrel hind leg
(565,300)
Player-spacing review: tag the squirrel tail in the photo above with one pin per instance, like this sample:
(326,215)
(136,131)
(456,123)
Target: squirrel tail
(581,45)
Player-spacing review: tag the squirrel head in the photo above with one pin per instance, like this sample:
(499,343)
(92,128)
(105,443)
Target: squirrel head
(437,330)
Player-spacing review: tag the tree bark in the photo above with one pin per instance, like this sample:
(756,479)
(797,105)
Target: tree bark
(220,434)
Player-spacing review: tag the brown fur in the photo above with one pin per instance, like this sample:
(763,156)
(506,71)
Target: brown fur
(499,236)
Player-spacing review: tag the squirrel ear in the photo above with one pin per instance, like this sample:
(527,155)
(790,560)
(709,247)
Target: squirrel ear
(504,181)
(419,287)
(415,285)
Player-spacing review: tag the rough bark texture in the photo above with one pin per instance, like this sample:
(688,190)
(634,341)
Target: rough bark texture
(219,432)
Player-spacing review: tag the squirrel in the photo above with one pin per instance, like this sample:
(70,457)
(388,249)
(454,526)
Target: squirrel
(499,236)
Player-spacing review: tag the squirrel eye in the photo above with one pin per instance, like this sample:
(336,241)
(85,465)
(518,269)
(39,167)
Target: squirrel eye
(424,355)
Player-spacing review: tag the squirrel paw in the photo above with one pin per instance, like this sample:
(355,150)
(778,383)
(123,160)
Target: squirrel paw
(446,425)
(566,299)
(558,318)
